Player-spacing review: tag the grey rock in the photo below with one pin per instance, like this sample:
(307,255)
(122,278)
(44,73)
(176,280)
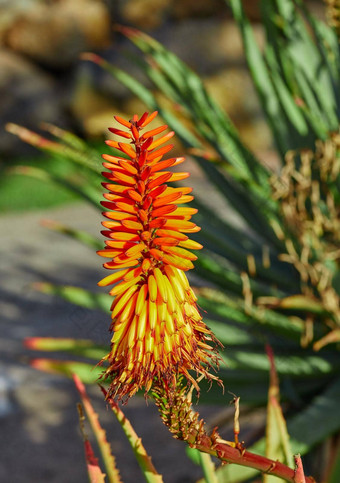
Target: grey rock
(28,97)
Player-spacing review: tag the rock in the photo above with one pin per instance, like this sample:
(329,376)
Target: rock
(206,45)
(198,8)
(256,134)
(233,90)
(87,101)
(56,34)
(28,97)
(145,14)
(10,10)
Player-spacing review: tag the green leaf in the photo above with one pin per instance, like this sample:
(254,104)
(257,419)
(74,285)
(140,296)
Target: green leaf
(109,460)
(205,462)
(324,408)
(83,156)
(78,347)
(179,82)
(335,473)
(77,295)
(291,109)
(296,302)
(256,318)
(149,471)
(129,81)
(79,235)
(261,78)
(80,189)
(277,438)
(88,373)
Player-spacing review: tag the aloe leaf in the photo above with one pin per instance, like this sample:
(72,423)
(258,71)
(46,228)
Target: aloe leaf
(287,101)
(150,473)
(295,364)
(297,45)
(205,462)
(76,295)
(296,302)
(255,212)
(84,157)
(327,43)
(335,471)
(261,78)
(66,137)
(129,81)
(198,103)
(258,318)
(220,236)
(146,96)
(213,240)
(99,433)
(277,438)
(94,471)
(312,108)
(82,190)
(324,407)
(217,269)
(79,235)
(77,347)
(88,373)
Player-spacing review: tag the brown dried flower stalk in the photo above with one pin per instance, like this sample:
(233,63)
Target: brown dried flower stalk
(307,191)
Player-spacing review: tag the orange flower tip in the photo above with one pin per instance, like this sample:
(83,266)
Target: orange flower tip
(142,118)
(119,132)
(150,118)
(123,122)
(112,144)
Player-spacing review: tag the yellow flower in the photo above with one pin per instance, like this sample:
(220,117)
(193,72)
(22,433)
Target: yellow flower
(158,331)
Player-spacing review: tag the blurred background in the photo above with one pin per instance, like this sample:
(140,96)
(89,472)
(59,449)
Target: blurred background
(43,79)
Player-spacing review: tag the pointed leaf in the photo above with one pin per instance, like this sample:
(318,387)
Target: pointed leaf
(277,438)
(99,433)
(150,473)
(88,373)
(78,347)
(79,235)
(76,295)
(94,471)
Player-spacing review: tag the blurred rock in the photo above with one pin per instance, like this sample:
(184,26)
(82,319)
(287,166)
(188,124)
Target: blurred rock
(198,8)
(145,14)
(252,9)
(206,45)
(9,12)
(256,134)
(86,101)
(28,97)
(55,34)
(233,90)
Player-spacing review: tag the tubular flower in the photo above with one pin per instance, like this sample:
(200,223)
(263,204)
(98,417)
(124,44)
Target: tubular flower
(157,329)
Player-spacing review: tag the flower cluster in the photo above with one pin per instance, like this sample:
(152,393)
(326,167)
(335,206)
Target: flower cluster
(158,331)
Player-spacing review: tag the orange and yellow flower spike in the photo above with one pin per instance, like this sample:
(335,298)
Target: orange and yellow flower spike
(158,331)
